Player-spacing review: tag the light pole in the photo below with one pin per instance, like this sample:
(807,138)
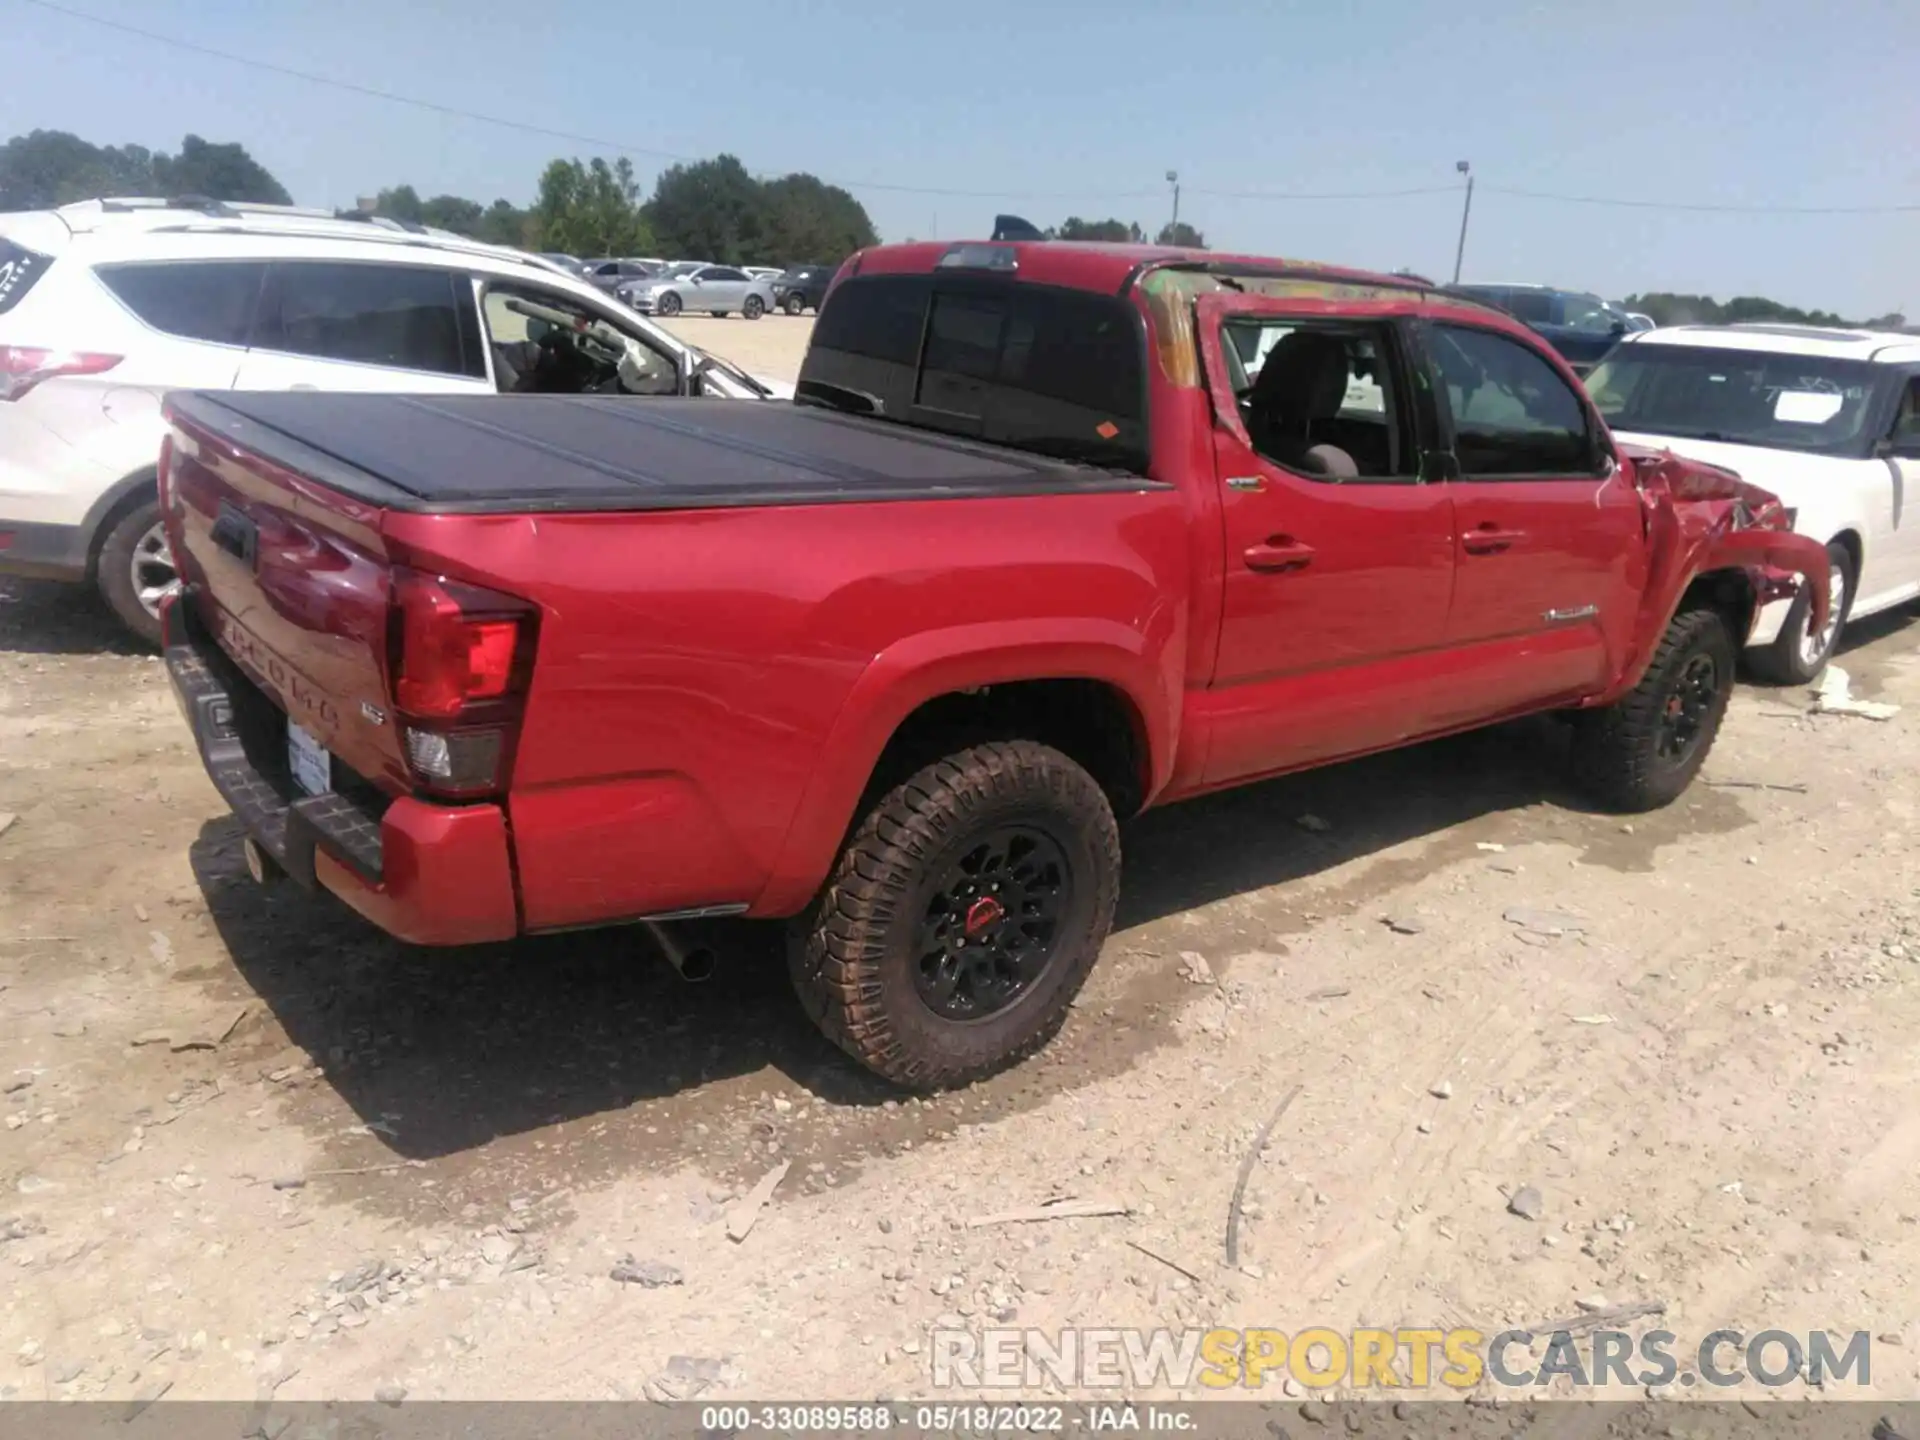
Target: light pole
(1173,179)
(1466,209)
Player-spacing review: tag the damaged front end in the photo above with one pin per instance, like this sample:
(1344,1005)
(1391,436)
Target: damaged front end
(1705,521)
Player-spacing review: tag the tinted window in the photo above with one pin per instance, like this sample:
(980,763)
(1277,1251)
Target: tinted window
(1058,372)
(1744,397)
(1512,413)
(200,301)
(1533,306)
(370,315)
(723,272)
(20,268)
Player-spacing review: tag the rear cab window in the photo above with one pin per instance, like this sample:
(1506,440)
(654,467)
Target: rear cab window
(1055,372)
(20,271)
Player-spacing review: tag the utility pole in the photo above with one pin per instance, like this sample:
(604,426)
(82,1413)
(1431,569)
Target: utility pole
(1173,179)
(1459,254)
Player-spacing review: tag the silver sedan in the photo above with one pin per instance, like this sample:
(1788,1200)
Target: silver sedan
(716,289)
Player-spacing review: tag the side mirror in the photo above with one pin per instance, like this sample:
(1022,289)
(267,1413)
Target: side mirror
(693,279)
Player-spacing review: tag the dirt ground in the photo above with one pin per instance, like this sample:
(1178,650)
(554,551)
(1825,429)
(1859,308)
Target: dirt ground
(772,345)
(252,1146)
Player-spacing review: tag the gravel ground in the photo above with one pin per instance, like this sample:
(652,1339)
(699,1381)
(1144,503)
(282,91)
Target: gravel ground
(252,1146)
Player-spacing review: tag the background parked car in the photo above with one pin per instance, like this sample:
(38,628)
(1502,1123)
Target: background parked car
(803,287)
(1636,322)
(1581,326)
(716,289)
(612,274)
(107,305)
(1828,420)
(768,273)
(565,264)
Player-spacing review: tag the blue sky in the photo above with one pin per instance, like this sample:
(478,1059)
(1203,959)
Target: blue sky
(1076,107)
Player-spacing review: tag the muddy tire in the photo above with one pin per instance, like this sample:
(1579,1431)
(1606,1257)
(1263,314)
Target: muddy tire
(1642,752)
(1791,659)
(135,569)
(963,916)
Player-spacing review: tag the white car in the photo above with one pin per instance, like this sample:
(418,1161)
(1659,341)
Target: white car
(718,289)
(108,304)
(1828,420)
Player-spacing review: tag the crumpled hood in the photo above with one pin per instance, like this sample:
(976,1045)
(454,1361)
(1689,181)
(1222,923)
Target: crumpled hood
(1691,478)
(1797,478)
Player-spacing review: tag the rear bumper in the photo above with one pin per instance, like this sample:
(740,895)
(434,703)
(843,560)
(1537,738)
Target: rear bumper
(43,552)
(425,873)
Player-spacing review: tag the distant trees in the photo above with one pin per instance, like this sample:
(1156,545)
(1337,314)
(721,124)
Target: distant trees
(53,167)
(1670,309)
(1181,233)
(1112,231)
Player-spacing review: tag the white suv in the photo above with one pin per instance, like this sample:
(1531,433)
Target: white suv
(108,304)
(1828,420)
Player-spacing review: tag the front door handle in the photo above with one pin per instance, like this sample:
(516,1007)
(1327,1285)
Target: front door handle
(1490,539)
(1282,552)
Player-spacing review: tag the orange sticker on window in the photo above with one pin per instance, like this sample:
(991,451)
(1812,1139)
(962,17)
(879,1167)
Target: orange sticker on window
(1106,429)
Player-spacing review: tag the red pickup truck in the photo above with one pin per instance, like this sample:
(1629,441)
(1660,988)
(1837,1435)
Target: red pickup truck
(1052,534)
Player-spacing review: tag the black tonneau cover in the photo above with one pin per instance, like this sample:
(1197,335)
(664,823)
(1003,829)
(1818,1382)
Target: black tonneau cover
(480,453)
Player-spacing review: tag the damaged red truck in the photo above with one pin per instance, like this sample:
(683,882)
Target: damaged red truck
(1054,533)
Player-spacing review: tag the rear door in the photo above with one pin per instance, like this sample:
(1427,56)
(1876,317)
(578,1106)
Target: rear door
(1336,593)
(1549,554)
(721,288)
(358,325)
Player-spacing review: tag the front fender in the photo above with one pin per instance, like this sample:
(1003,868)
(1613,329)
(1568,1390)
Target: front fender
(923,667)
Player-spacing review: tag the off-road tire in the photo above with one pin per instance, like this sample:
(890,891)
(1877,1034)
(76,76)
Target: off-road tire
(852,954)
(113,570)
(668,304)
(794,304)
(753,307)
(1781,663)
(1615,755)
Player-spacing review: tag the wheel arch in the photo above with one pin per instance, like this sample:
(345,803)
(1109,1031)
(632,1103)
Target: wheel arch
(1089,690)
(114,502)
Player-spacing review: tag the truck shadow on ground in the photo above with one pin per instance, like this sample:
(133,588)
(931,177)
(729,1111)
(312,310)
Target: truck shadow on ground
(473,1045)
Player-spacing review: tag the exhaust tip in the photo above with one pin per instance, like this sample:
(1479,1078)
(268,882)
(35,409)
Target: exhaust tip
(696,965)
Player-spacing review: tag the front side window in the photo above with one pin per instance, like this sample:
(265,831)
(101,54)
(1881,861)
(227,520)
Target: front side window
(1318,397)
(197,300)
(548,344)
(400,316)
(1057,372)
(1738,397)
(723,272)
(1512,413)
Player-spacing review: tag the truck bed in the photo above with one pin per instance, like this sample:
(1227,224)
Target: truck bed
(478,454)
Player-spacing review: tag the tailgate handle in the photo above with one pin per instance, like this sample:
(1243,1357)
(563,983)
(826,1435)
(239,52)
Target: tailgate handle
(236,534)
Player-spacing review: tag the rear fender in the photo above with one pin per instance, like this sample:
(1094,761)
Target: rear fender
(1700,518)
(924,667)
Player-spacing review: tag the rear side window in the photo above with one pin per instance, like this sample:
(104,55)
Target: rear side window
(1058,372)
(203,300)
(20,270)
(400,316)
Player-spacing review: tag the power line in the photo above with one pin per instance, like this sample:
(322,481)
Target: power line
(621,147)
(1703,209)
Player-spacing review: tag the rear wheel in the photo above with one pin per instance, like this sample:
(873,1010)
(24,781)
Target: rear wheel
(753,307)
(1799,652)
(963,916)
(1642,751)
(794,304)
(136,571)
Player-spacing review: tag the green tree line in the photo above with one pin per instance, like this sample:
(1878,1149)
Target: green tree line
(1668,309)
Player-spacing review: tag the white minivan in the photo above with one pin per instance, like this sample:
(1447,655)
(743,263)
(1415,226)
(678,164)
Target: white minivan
(106,305)
(1828,420)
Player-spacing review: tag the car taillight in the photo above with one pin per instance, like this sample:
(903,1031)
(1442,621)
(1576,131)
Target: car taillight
(24,366)
(461,662)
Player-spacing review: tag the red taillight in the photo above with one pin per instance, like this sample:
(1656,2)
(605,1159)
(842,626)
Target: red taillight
(462,659)
(24,366)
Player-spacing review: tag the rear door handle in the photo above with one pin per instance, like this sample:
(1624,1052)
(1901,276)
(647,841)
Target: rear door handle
(1282,552)
(1490,539)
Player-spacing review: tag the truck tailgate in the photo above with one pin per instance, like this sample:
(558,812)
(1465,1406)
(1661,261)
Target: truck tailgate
(292,580)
